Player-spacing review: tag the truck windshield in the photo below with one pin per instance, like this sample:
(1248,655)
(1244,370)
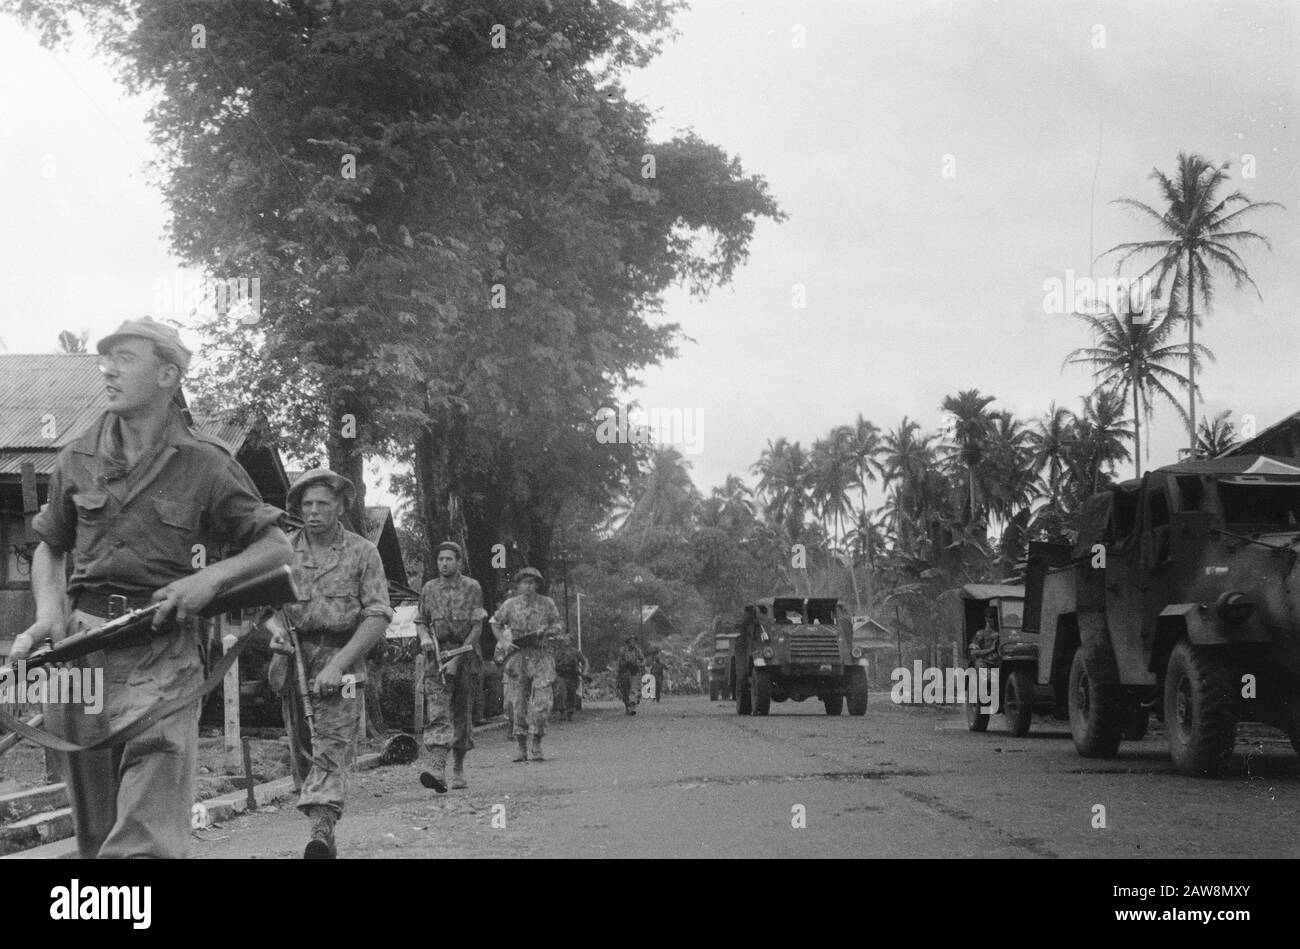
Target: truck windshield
(1262,506)
(1012,614)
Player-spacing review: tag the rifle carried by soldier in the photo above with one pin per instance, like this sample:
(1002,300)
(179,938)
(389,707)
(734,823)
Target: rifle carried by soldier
(271,588)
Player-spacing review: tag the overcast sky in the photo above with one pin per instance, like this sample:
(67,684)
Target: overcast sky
(917,284)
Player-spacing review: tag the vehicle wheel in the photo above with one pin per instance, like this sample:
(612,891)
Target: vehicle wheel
(1138,720)
(976,720)
(1200,710)
(1018,702)
(713,691)
(857,691)
(743,706)
(834,703)
(1098,710)
(762,690)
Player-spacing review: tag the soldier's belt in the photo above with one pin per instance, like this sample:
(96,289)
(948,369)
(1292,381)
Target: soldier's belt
(108,605)
(325,638)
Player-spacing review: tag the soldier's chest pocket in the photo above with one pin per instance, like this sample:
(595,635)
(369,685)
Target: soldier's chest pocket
(338,589)
(92,507)
(180,514)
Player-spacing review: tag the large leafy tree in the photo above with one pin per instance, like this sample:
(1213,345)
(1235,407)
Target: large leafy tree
(462,228)
(1215,436)
(971,429)
(1201,232)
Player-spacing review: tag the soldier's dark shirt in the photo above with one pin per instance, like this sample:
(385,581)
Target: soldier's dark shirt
(134,529)
(448,606)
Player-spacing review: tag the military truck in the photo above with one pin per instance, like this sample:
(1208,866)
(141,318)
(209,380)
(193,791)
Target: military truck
(720,666)
(1017,652)
(795,648)
(1182,598)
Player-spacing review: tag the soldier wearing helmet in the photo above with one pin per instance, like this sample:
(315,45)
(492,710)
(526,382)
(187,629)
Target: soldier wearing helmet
(530,623)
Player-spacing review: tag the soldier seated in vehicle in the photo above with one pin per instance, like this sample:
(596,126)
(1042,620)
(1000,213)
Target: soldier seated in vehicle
(983,648)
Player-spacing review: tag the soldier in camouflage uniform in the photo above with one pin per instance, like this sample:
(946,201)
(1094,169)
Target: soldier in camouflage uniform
(531,623)
(343,614)
(451,609)
(630,663)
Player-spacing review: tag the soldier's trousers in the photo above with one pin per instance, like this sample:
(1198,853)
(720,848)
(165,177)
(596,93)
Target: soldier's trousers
(535,672)
(320,769)
(135,799)
(448,706)
(510,689)
(629,687)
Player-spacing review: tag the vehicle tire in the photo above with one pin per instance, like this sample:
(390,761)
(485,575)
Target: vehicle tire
(1138,720)
(1200,710)
(713,691)
(1098,710)
(857,691)
(761,690)
(976,720)
(834,704)
(1018,703)
(743,705)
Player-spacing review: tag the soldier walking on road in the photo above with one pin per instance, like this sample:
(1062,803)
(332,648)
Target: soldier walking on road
(451,611)
(630,663)
(657,670)
(530,622)
(570,667)
(343,614)
(132,499)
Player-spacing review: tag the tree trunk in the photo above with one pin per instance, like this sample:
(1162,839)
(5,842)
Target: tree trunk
(345,457)
(1191,354)
(1137,428)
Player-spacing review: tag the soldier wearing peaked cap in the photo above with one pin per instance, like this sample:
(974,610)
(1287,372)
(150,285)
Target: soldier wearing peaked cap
(530,623)
(130,500)
(450,612)
(343,614)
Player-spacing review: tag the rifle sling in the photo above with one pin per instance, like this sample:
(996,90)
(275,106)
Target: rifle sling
(144,721)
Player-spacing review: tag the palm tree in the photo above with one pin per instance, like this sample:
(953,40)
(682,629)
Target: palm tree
(833,473)
(1213,438)
(1051,439)
(970,435)
(1131,355)
(867,448)
(783,471)
(1098,443)
(667,497)
(1202,232)
(70,342)
(908,461)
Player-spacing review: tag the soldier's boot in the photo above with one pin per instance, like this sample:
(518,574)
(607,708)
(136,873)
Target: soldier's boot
(436,777)
(536,750)
(321,846)
(458,769)
(522,753)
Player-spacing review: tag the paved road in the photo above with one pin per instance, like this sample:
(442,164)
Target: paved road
(690,778)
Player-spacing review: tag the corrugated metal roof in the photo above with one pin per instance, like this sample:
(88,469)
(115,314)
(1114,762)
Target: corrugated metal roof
(36,386)
(11,463)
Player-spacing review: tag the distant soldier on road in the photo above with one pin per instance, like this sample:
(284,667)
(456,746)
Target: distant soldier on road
(570,667)
(630,663)
(451,610)
(657,670)
(344,614)
(530,623)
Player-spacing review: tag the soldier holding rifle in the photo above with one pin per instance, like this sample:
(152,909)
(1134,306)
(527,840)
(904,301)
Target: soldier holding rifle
(139,500)
(342,615)
(530,623)
(449,619)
